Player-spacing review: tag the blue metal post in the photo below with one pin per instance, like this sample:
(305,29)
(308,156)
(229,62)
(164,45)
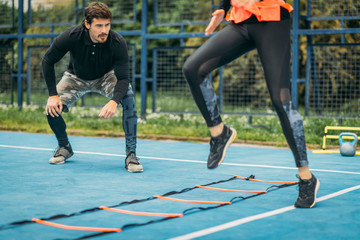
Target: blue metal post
(155,12)
(143,64)
(51,31)
(182,29)
(20,52)
(295,53)
(29,13)
(309,59)
(133,67)
(28,78)
(154,80)
(342,27)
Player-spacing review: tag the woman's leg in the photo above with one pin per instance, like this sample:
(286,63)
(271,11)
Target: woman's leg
(273,43)
(222,48)
(225,46)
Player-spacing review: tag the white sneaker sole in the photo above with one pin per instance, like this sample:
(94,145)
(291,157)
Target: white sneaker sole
(231,140)
(58,160)
(316,190)
(135,168)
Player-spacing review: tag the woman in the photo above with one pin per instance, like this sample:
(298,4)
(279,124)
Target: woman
(265,26)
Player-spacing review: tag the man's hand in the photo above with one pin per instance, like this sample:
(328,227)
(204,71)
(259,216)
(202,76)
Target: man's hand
(216,19)
(108,110)
(54,106)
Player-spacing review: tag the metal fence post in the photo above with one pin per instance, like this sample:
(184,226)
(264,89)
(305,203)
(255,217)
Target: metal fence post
(295,53)
(143,67)
(20,50)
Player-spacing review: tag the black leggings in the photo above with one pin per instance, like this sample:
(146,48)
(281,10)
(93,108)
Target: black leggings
(272,40)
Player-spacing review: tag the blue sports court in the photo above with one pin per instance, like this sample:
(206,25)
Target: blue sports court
(92,196)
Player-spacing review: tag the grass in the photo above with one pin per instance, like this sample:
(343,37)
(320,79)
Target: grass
(83,121)
(264,130)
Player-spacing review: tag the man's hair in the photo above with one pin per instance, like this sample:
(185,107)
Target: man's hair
(96,10)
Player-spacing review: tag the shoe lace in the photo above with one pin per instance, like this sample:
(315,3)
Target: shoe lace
(303,188)
(58,151)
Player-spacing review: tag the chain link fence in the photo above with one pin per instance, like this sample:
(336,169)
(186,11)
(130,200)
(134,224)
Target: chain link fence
(6,80)
(334,8)
(335,81)
(329,61)
(187,12)
(240,85)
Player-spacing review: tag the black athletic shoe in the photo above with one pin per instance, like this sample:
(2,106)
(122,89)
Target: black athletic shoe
(218,146)
(307,192)
(61,154)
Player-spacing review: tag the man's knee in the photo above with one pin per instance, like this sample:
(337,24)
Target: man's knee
(57,118)
(128,103)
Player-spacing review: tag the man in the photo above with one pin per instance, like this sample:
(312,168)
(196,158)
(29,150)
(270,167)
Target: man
(98,63)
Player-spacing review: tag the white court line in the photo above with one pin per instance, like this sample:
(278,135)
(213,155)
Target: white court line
(240,221)
(183,160)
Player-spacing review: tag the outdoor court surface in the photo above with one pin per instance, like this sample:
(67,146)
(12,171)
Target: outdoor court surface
(71,194)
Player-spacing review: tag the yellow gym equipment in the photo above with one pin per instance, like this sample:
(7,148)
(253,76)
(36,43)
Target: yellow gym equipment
(328,136)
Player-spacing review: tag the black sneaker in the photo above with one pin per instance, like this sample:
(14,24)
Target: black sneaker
(132,163)
(218,146)
(307,192)
(61,154)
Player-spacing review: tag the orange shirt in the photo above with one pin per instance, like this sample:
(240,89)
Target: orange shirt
(266,10)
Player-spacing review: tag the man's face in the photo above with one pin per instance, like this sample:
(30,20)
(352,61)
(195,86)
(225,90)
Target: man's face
(98,29)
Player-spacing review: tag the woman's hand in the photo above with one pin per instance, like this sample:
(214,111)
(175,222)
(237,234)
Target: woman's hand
(216,19)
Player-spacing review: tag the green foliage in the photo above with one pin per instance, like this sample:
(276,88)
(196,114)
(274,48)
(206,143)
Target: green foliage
(6,13)
(59,12)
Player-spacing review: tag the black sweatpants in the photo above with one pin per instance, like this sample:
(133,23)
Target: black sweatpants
(272,41)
